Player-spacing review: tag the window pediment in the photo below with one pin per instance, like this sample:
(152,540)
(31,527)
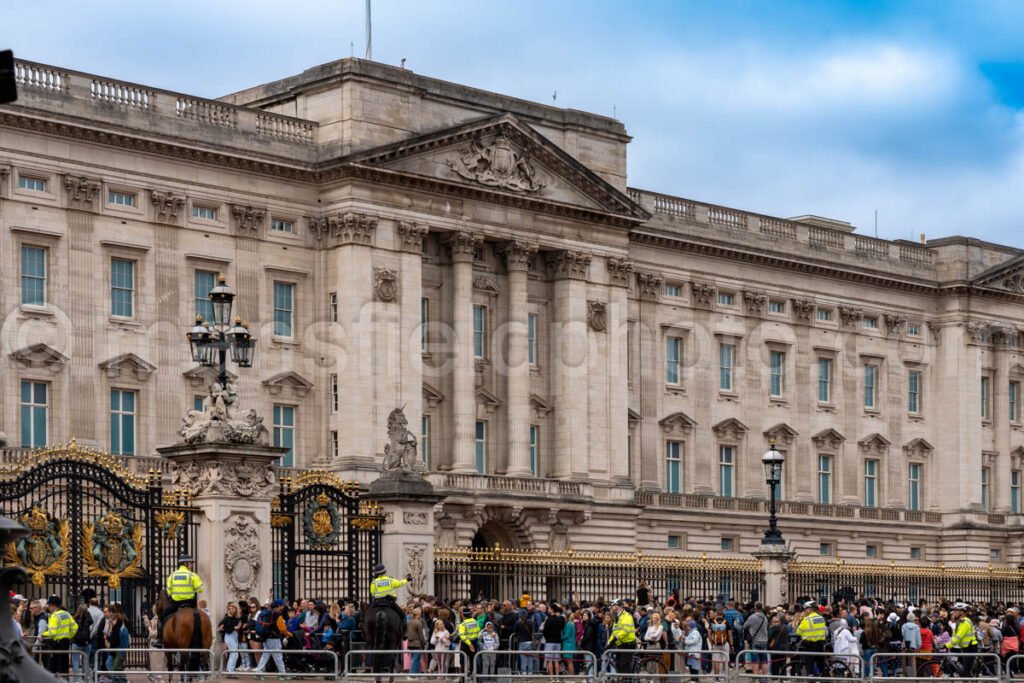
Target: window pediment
(918,448)
(291,380)
(431,396)
(39,356)
(828,439)
(127,365)
(730,429)
(487,400)
(541,408)
(874,444)
(677,423)
(201,376)
(781,434)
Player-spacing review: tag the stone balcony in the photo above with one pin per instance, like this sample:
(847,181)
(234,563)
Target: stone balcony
(527,486)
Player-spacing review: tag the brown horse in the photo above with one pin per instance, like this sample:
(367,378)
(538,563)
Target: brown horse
(187,629)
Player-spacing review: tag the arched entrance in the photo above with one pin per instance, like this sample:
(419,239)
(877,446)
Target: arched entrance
(490,579)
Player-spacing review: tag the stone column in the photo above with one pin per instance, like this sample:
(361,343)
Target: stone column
(569,362)
(462,245)
(619,273)
(517,258)
(1003,339)
(411,292)
(652,379)
(232,486)
(407,541)
(774,561)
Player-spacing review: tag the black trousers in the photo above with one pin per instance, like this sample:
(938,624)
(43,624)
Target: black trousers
(58,661)
(624,660)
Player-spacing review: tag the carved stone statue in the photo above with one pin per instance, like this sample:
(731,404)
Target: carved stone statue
(221,421)
(400,453)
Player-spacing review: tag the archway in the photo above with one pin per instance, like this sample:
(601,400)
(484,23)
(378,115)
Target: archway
(493,577)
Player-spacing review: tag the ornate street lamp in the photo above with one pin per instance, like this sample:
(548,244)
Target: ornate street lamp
(210,345)
(772,461)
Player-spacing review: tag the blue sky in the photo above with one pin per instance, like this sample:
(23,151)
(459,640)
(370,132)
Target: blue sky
(913,109)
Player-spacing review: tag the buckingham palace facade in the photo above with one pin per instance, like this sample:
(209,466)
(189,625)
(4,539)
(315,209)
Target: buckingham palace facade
(585,363)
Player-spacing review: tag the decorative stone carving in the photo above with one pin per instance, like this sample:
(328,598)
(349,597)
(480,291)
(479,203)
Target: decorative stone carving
(597,315)
(166,206)
(289,379)
(1004,336)
(619,271)
(935,330)
(242,555)
(415,554)
(345,228)
(782,434)
(385,284)
(1014,283)
(918,448)
(874,445)
(5,171)
(803,310)
(850,316)
(574,265)
(411,236)
(213,476)
(977,333)
(989,458)
(248,220)
(485,284)
(895,325)
(730,429)
(82,192)
(400,452)
(651,286)
(463,245)
(127,365)
(497,164)
(677,423)
(39,356)
(414,518)
(703,294)
(755,302)
(828,439)
(517,255)
(220,421)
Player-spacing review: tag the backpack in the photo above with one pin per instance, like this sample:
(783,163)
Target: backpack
(266,624)
(84,629)
(718,636)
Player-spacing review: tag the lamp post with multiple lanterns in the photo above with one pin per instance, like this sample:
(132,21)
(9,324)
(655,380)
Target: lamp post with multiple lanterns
(211,344)
(772,461)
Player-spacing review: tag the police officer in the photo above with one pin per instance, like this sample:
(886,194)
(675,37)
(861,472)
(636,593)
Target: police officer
(383,590)
(183,585)
(812,630)
(60,629)
(964,639)
(623,636)
(469,635)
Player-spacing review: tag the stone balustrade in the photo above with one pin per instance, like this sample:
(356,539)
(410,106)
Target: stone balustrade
(485,483)
(137,464)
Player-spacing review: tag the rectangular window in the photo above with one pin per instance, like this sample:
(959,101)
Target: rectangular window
(673,358)
(673,467)
(425,440)
(914,330)
(334,443)
(479,331)
(204,212)
(534,448)
(332,304)
(870,483)
(727,544)
(424,319)
(726,470)
(531,338)
(122,422)
(870,550)
(33,414)
(825,479)
(120,198)
(824,548)
(481,446)
(197,403)
(870,322)
(914,486)
(777,370)
(205,280)
(673,290)
(284,305)
(33,276)
(994,555)
(915,552)
(776,306)
(726,299)
(334,392)
(985,393)
(1014,401)
(675,542)
(986,474)
(824,314)
(870,386)
(284,432)
(726,354)
(29,183)
(1015,491)
(280,225)
(122,288)
(824,380)
(914,391)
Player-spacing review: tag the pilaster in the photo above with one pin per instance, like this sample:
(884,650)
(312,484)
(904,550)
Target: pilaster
(569,362)
(517,258)
(462,246)
(650,287)
(619,273)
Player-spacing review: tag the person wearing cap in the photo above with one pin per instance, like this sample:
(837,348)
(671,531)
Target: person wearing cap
(963,639)
(623,636)
(468,634)
(183,585)
(384,590)
(60,629)
(812,631)
(274,638)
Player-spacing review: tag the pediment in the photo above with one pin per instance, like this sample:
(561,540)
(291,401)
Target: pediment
(1005,277)
(917,448)
(500,156)
(875,444)
(127,365)
(781,434)
(39,356)
(730,428)
(488,401)
(828,438)
(677,423)
(541,408)
(431,395)
(289,379)
(202,375)
(632,418)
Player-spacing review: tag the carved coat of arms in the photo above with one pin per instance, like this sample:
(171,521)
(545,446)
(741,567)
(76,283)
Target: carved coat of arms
(322,522)
(497,165)
(45,550)
(112,548)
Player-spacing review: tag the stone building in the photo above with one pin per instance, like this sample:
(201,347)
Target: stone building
(590,365)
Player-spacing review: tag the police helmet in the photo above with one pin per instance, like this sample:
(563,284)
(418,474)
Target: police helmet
(53,600)
(185,558)
(379,569)
(960,606)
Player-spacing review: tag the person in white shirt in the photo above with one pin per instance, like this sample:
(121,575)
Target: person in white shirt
(655,636)
(844,644)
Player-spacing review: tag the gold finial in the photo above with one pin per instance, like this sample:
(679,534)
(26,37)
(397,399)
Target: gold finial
(199,318)
(221,278)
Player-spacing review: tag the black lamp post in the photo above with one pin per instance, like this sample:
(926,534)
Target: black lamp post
(210,345)
(772,461)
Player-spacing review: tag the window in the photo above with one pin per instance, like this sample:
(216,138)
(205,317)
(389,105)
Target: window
(824,548)
(870,386)
(284,432)
(479,331)
(825,479)
(914,486)
(531,338)
(197,403)
(334,443)
(205,280)
(673,290)
(726,470)
(1014,401)
(204,212)
(994,555)
(120,198)
(870,483)
(332,304)
(986,473)
(534,448)
(122,422)
(481,446)
(985,392)
(33,276)
(915,552)
(914,330)
(824,380)
(870,550)
(1015,491)
(673,467)
(425,439)
(283,306)
(280,225)
(914,391)
(777,369)
(673,356)
(870,322)
(728,544)
(675,542)
(424,319)
(776,306)
(122,287)
(726,354)
(29,183)
(824,314)
(726,299)
(333,381)
(33,414)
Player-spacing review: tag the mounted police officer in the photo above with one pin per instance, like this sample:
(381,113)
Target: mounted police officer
(60,629)
(183,585)
(383,590)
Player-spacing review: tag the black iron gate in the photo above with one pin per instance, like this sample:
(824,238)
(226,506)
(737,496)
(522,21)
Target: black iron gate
(325,539)
(93,524)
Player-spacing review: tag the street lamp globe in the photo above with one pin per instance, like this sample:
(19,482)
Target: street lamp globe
(242,344)
(772,461)
(199,340)
(221,296)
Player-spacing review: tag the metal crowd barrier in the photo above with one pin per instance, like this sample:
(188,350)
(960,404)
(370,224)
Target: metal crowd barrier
(667,665)
(925,665)
(73,656)
(101,673)
(583,664)
(287,656)
(1013,667)
(364,670)
(797,665)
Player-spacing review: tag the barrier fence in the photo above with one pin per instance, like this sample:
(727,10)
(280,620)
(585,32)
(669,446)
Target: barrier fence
(296,663)
(76,663)
(359,666)
(102,671)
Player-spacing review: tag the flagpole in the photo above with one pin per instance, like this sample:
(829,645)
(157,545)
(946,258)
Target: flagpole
(369,33)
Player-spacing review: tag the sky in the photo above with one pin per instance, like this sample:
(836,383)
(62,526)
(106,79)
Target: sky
(913,109)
